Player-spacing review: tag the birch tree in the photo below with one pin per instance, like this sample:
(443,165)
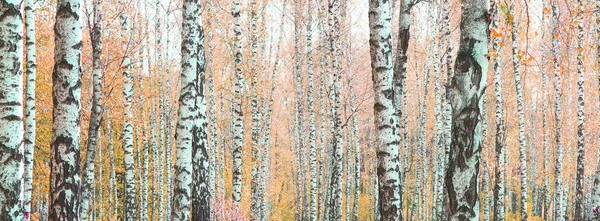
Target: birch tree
(579,185)
(236,106)
(11,114)
(312,142)
(386,121)
(200,168)
(519,89)
(66,96)
(545,138)
(558,213)
(466,89)
(30,126)
(595,207)
(255,205)
(129,202)
(95,113)
(500,147)
(188,138)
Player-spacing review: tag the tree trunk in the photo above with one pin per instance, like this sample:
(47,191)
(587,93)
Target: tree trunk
(255,199)
(466,89)
(11,114)
(30,126)
(558,212)
(595,201)
(237,118)
(66,96)
(335,186)
(519,88)
(312,142)
(129,203)
(500,184)
(95,112)
(386,121)
(579,185)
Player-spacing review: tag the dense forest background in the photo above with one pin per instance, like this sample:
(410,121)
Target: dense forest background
(302,111)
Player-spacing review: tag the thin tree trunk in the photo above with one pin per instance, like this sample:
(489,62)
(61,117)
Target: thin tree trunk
(466,90)
(579,185)
(66,96)
(255,204)
(312,142)
(558,212)
(335,212)
(545,141)
(499,187)
(129,203)
(238,122)
(386,120)
(96,111)
(30,126)
(595,201)
(11,114)
(519,88)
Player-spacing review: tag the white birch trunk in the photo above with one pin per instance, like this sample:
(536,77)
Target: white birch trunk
(66,96)
(466,90)
(96,112)
(579,185)
(385,115)
(11,114)
(30,126)
(237,120)
(519,89)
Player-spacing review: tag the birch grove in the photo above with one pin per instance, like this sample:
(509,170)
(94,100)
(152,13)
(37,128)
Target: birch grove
(299,110)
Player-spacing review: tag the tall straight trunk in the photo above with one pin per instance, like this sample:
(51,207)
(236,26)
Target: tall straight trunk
(100,181)
(335,185)
(237,118)
(558,212)
(438,139)
(216,163)
(128,161)
(200,168)
(545,138)
(466,90)
(255,204)
(66,96)
(595,201)
(113,200)
(357,155)
(95,112)
(486,190)
(579,185)
(447,112)
(168,130)
(312,140)
(188,136)
(386,120)
(11,114)
(161,109)
(30,126)
(519,88)
(500,148)
(298,83)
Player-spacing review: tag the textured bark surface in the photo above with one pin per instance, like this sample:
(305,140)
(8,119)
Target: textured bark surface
(66,96)
(558,188)
(579,185)
(386,121)
(520,112)
(466,89)
(236,107)
(500,148)
(129,203)
(30,126)
(96,112)
(11,109)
